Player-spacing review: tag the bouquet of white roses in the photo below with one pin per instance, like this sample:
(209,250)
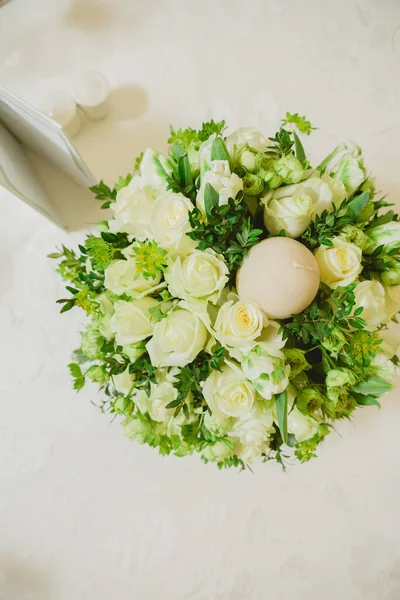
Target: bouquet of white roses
(192,360)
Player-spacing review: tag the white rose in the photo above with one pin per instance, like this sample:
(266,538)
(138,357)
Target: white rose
(228,393)
(217,452)
(161,395)
(292,208)
(131,321)
(121,277)
(132,209)
(227,184)
(105,327)
(392,293)
(123,382)
(177,339)
(154,169)
(250,453)
(202,274)
(238,324)
(390,342)
(254,427)
(346,163)
(267,371)
(246,137)
(371,296)
(204,156)
(301,426)
(384,235)
(340,264)
(169,223)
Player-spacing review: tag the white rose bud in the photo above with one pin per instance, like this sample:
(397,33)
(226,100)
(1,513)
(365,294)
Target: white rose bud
(371,296)
(292,208)
(169,223)
(131,321)
(384,235)
(340,264)
(132,209)
(177,339)
(301,426)
(204,155)
(254,428)
(154,169)
(201,274)
(245,137)
(346,163)
(227,184)
(267,371)
(121,277)
(238,324)
(228,393)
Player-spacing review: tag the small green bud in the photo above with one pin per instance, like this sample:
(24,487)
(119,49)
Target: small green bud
(391,277)
(248,160)
(273,180)
(335,341)
(355,236)
(340,377)
(289,168)
(297,361)
(92,342)
(366,212)
(97,374)
(309,401)
(252,185)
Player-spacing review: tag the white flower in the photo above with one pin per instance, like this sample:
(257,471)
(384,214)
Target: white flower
(228,393)
(226,184)
(131,321)
(238,324)
(392,293)
(293,207)
(217,452)
(383,367)
(121,277)
(154,169)
(134,351)
(123,382)
(245,137)
(161,395)
(384,235)
(105,327)
(254,427)
(132,209)
(204,156)
(371,296)
(301,426)
(340,264)
(169,223)
(390,344)
(251,453)
(202,274)
(177,339)
(267,371)
(346,163)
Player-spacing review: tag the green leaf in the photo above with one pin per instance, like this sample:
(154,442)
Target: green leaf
(184,172)
(364,400)
(300,154)
(103,192)
(67,306)
(281,411)
(211,199)
(77,375)
(372,385)
(219,151)
(357,205)
(174,403)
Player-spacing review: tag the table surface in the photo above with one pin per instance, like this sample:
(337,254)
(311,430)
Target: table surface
(86,514)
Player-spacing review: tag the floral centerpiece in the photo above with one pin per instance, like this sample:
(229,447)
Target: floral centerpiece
(188,363)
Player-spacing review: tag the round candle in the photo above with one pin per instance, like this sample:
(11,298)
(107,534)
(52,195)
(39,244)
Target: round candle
(280,275)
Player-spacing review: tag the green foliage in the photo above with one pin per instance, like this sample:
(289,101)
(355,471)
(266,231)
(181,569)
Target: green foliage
(330,223)
(150,259)
(191,377)
(363,346)
(281,401)
(138,162)
(184,137)
(301,123)
(330,310)
(305,451)
(281,145)
(383,258)
(77,375)
(100,252)
(228,230)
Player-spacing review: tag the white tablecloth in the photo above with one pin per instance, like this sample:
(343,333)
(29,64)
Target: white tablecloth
(84,513)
